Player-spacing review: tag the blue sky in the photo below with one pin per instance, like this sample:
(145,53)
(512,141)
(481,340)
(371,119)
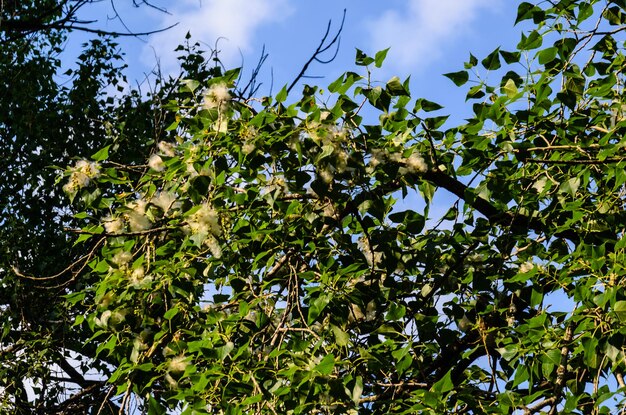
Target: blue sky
(426,37)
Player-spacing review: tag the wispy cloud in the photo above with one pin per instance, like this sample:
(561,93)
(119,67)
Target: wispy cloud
(234,22)
(419,34)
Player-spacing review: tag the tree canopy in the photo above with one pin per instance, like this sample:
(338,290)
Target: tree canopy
(282,255)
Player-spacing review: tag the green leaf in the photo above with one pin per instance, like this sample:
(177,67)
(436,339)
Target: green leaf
(189,85)
(473,61)
(459,78)
(533,41)
(509,352)
(620,310)
(378,97)
(357,390)
(341,337)
(326,366)
(169,314)
(252,399)
(510,57)
(614,16)
(492,61)
(224,351)
(426,105)
(521,375)
(570,186)
(327,150)
(510,89)
(585,11)
(413,221)
(155,408)
(395,87)
(362,59)
(547,55)
(231,76)
(282,95)
(102,154)
(317,306)
(475,92)
(380,56)
(444,384)
(396,312)
(524,11)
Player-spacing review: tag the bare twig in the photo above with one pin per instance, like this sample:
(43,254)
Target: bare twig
(136,233)
(252,86)
(321,48)
(578,161)
(78,396)
(83,259)
(126,398)
(105,400)
(258,390)
(535,407)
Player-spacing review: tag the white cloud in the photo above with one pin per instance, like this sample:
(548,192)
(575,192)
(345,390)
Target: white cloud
(234,22)
(418,35)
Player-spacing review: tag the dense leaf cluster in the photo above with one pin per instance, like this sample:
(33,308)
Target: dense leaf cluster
(52,112)
(283,254)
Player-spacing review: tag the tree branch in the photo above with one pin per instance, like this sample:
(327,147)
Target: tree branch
(517,222)
(321,48)
(68,21)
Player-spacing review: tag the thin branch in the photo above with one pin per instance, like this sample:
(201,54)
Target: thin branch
(408,383)
(126,398)
(147,3)
(115,34)
(495,215)
(84,259)
(252,84)
(106,399)
(535,407)
(28,27)
(278,265)
(76,377)
(258,390)
(118,17)
(561,371)
(579,161)
(135,233)
(321,48)
(93,388)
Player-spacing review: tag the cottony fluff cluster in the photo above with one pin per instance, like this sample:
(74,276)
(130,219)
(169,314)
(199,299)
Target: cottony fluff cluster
(164,200)
(81,175)
(526,267)
(414,164)
(167,149)
(113,225)
(204,221)
(155,162)
(248,134)
(137,218)
(177,365)
(122,258)
(217,96)
(138,277)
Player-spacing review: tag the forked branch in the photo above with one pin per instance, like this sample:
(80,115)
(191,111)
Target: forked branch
(324,46)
